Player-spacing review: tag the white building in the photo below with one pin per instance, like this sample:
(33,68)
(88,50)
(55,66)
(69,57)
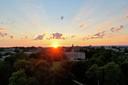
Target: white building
(75,56)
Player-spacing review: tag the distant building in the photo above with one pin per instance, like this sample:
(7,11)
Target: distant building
(75,55)
(32,51)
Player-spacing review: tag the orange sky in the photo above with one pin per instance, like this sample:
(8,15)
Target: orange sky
(63,23)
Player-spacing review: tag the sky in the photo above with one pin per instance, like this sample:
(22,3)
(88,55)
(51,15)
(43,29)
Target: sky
(63,22)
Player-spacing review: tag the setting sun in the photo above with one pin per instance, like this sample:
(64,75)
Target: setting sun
(55,44)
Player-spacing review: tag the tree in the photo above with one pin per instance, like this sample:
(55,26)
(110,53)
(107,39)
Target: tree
(18,78)
(5,72)
(91,74)
(41,71)
(61,73)
(124,73)
(78,70)
(109,74)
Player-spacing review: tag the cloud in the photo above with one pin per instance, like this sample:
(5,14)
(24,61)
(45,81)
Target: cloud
(95,36)
(56,36)
(104,33)
(113,29)
(39,37)
(3,34)
(11,36)
(62,17)
(99,35)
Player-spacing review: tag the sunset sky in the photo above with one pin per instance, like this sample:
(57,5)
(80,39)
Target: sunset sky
(63,22)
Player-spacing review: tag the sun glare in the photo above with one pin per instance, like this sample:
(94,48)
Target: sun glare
(55,44)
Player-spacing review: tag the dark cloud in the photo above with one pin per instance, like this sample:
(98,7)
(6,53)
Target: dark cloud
(95,36)
(56,36)
(114,29)
(104,33)
(5,33)
(99,35)
(120,28)
(11,36)
(39,37)
(62,17)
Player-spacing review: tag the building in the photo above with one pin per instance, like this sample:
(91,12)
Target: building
(75,55)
